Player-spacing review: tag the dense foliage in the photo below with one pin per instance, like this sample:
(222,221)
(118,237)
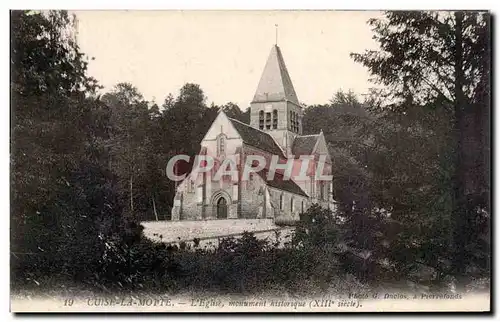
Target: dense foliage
(411,169)
(438,63)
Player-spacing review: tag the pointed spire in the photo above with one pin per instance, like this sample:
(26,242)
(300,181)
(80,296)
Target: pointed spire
(275,83)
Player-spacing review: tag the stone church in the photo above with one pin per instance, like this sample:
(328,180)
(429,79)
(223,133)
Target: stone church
(275,129)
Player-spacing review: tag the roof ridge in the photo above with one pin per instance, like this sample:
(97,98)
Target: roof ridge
(233,119)
(263,174)
(279,146)
(266,133)
(285,76)
(308,135)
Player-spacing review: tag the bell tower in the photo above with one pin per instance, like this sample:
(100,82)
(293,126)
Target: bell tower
(275,107)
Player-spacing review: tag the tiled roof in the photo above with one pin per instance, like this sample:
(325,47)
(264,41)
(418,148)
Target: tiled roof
(256,138)
(278,182)
(304,145)
(275,83)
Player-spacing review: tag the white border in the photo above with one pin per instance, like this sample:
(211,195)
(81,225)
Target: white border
(255,4)
(187,4)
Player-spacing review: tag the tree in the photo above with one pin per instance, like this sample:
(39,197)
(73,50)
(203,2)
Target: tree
(391,179)
(45,57)
(169,102)
(130,142)
(345,124)
(441,59)
(191,95)
(63,201)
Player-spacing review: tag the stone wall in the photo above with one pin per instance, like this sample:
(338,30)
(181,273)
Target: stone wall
(283,209)
(190,208)
(282,107)
(268,107)
(196,197)
(253,198)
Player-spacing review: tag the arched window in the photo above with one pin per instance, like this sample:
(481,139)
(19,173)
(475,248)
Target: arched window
(261,120)
(221,145)
(281,202)
(295,122)
(268,120)
(275,119)
(292,207)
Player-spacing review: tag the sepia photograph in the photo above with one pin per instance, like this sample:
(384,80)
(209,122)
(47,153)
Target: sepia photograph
(292,161)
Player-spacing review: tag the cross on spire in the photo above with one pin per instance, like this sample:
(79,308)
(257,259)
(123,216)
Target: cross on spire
(276,28)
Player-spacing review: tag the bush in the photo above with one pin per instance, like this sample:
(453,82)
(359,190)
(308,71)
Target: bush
(246,265)
(317,227)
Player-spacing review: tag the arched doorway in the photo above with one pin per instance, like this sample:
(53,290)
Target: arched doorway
(222,208)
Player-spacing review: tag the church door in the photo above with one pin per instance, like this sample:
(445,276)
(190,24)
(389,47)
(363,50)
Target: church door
(222,208)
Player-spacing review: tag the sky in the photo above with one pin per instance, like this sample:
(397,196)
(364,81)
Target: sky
(225,51)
